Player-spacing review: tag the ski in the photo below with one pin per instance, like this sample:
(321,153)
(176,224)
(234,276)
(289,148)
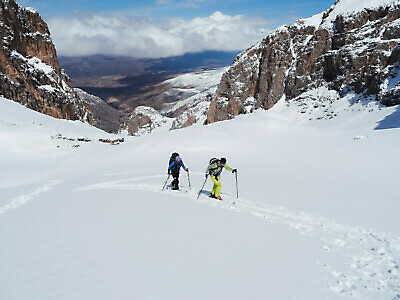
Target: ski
(181,189)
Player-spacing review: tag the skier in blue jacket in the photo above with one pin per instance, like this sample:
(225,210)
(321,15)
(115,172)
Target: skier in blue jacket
(174,169)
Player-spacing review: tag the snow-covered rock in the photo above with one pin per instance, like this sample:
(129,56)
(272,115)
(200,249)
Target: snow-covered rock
(29,70)
(145,120)
(353,47)
(194,92)
(188,111)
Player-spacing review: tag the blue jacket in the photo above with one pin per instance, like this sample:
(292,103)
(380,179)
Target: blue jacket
(175,166)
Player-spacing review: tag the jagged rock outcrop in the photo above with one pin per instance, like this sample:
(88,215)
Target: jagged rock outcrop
(144,120)
(344,52)
(29,70)
(182,114)
(187,112)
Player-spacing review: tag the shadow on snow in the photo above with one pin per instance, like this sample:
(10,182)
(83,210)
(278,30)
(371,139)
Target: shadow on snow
(391,121)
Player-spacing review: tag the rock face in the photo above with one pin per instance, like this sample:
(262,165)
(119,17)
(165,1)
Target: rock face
(104,116)
(29,70)
(341,51)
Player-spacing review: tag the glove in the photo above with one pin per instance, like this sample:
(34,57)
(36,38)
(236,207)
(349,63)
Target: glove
(169,172)
(187,170)
(234,171)
(206,176)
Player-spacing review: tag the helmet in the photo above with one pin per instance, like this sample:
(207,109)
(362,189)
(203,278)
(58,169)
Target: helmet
(223,160)
(178,159)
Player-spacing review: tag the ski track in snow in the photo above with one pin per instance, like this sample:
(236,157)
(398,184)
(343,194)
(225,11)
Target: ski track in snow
(372,270)
(373,257)
(24,199)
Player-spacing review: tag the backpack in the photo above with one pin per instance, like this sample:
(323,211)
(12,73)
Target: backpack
(213,160)
(172,158)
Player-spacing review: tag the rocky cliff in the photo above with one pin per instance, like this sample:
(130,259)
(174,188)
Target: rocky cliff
(29,70)
(345,51)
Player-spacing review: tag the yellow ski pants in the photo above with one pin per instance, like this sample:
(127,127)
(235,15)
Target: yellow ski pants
(216,191)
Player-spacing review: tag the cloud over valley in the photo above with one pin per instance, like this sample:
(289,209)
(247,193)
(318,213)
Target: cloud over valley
(129,35)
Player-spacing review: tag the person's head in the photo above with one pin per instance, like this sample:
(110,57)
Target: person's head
(223,161)
(178,159)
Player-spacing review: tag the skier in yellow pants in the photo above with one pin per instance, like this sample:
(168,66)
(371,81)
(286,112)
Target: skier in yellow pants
(214,169)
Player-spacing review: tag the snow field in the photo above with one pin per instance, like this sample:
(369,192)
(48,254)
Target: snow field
(317,216)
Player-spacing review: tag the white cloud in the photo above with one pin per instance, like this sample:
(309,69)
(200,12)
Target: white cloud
(141,37)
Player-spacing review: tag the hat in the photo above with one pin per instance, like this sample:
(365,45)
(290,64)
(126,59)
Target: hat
(223,160)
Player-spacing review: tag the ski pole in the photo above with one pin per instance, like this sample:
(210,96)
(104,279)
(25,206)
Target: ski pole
(202,187)
(190,187)
(165,182)
(237,189)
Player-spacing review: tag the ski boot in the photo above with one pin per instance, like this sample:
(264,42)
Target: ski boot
(214,197)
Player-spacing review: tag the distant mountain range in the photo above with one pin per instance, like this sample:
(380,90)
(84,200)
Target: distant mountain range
(127,82)
(106,65)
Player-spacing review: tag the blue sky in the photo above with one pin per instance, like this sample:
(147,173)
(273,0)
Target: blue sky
(160,28)
(277,10)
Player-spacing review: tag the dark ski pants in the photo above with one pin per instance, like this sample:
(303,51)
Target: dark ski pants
(175,182)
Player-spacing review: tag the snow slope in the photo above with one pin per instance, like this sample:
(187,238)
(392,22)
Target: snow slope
(317,216)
